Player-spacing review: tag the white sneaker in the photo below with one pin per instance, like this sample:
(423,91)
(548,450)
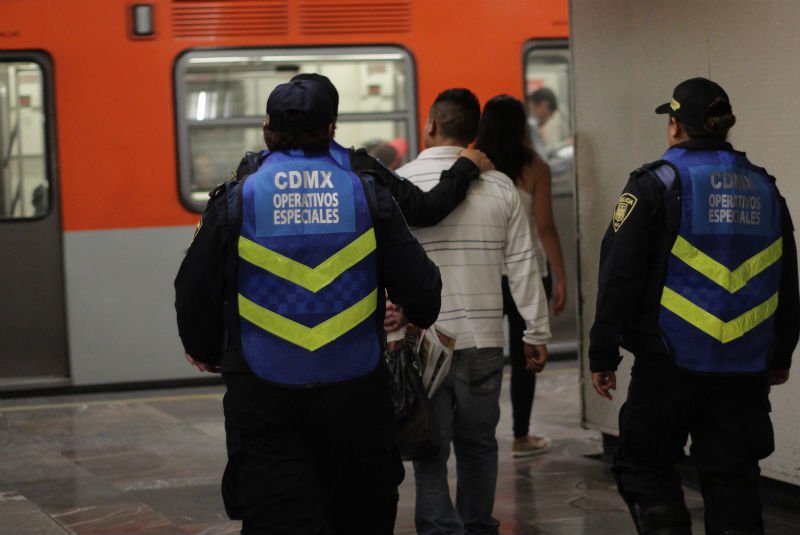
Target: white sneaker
(530,445)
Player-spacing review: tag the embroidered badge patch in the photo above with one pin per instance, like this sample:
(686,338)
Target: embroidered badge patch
(624,208)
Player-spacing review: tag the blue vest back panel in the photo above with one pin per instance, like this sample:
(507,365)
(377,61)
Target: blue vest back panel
(307,272)
(721,287)
(341,155)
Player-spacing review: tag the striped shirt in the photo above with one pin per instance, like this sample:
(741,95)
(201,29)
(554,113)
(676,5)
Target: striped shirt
(485,237)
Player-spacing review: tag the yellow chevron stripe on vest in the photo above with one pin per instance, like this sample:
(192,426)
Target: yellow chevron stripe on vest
(713,326)
(313,279)
(732,281)
(310,338)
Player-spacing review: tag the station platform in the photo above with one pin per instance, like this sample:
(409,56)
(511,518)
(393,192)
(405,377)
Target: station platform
(149,462)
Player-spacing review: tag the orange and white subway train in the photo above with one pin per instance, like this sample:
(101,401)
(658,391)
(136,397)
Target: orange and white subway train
(118,116)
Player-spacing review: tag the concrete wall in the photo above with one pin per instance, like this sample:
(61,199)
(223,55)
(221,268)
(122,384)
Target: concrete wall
(628,55)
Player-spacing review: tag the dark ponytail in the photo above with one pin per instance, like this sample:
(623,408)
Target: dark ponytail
(718,118)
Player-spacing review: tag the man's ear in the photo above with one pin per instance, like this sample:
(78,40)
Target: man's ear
(431,127)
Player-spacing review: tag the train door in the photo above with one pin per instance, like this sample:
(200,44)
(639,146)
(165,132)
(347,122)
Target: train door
(546,65)
(33,348)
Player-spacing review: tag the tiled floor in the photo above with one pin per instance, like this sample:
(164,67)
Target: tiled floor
(150,462)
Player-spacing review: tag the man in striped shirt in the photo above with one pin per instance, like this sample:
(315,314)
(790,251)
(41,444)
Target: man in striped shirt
(486,236)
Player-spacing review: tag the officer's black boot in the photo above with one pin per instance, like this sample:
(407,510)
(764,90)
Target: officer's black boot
(757,531)
(662,519)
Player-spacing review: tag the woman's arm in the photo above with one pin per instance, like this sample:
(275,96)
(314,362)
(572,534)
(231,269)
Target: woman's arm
(537,175)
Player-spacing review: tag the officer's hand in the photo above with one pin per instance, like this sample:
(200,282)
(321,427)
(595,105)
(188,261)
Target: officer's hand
(604,382)
(778,377)
(478,158)
(535,357)
(395,318)
(202,366)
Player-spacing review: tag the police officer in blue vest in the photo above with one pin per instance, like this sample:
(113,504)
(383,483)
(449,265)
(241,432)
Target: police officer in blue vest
(283,290)
(698,279)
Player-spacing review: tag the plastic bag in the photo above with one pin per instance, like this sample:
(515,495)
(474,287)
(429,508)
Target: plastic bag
(417,429)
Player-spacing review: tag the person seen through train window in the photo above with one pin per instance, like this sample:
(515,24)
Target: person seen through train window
(503,136)
(698,279)
(486,235)
(282,290)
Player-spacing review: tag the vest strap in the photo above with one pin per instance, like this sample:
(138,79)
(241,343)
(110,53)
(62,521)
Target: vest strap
(713,326)
(312,279)
(734,280)
(310,338)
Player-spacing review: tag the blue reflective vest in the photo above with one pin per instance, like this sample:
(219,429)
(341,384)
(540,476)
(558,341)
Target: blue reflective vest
(307,275)
(340,154)
(723,273)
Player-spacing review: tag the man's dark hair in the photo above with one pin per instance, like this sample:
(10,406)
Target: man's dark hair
(544,94)
(457,113)
(315,141)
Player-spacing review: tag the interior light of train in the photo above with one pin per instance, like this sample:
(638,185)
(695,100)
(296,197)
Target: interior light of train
(222,59)
(142,20)
(279,58)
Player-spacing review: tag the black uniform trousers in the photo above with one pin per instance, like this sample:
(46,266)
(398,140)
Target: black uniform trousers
(728,420)
(311,461)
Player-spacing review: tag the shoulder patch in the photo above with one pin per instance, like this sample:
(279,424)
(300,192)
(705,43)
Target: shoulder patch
(625,205)
(197,228)
(217,191)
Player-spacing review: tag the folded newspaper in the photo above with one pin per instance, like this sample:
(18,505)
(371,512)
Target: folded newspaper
(434,350)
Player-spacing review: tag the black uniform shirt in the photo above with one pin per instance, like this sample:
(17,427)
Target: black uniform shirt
(205,287)
(633,263)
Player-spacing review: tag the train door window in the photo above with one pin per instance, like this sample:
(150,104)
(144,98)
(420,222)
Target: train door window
(23,164)
(547,67)
(221,98)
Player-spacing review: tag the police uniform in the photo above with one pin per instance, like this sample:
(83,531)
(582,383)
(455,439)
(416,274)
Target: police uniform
(698,279)
(284,285)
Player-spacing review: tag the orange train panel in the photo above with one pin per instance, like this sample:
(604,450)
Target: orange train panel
(115,114)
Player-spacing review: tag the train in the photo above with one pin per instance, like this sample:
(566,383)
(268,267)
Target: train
(117,117)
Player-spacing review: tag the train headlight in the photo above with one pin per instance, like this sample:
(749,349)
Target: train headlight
(142,16)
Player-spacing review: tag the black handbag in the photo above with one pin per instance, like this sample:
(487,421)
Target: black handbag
(417,430)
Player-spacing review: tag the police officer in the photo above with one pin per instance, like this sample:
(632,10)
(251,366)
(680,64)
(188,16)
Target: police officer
(283,290)
(698,279)
(420,208)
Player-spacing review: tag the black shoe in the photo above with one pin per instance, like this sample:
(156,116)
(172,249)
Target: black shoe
(662,519)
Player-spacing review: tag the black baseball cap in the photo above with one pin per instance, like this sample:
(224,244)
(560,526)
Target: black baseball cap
(326,84)
(695,100)
(299,105)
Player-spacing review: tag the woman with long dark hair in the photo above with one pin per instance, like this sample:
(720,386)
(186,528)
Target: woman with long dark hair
(503,135)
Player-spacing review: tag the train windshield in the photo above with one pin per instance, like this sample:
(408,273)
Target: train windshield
(222,97)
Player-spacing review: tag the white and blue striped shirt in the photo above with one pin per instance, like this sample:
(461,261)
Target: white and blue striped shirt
(485,237)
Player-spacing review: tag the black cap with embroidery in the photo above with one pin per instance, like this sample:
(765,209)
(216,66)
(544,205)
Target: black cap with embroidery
(299,105)
(695,100)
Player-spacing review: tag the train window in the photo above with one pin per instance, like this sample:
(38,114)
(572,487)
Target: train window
(221,98)
(24,180)
(547,66)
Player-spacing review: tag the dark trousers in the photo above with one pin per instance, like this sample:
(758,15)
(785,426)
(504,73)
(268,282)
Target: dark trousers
(728,420)
(311,461)
(523,382)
